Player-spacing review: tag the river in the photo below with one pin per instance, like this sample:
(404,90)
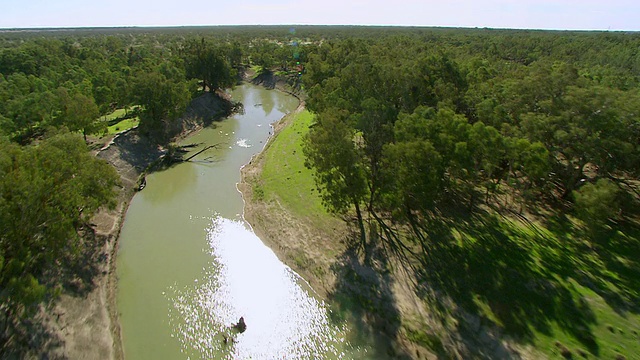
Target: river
(189,267)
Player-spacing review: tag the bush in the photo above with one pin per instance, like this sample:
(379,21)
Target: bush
(598,203)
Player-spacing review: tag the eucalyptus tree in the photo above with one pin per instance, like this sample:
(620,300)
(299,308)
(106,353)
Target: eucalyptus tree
(79,113)
(162,100)
(47,192)
(209,63)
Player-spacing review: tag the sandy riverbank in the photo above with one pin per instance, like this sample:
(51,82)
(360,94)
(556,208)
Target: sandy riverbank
(274,225)
(278,228)
(87,325)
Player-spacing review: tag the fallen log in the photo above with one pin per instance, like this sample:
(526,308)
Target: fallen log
(201,151)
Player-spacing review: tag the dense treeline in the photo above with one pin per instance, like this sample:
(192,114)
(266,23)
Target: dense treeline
(71,81)
(499,168)
(536,118)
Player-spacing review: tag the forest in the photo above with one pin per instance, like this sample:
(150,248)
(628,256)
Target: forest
(527,124)
(499,166)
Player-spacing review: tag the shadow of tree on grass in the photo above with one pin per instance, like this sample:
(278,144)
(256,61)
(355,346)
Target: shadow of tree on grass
(611,267)
(512,278)
(363,297)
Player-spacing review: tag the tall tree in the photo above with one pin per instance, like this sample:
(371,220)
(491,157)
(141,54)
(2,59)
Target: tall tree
(331,151)
(208,63)
(47,191)
(80,113)
(162,100)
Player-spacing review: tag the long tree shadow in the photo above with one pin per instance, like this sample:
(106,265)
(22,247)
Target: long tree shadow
(498,272)
(606,260)
(84,265)
(29,338)
(363,298)
(31,334)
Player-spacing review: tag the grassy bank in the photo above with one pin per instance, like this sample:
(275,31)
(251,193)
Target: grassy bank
(284,207)
(284,176)
(550,286)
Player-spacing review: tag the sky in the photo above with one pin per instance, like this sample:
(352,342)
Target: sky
(521,14)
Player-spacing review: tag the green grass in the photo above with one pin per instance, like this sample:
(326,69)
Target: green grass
(117,113)
(612,332)
(549,287)
(602,283)
(430,341)
(284,176)
(124,124)
(257,69)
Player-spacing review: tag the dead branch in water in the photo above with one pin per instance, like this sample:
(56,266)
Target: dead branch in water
(214,146)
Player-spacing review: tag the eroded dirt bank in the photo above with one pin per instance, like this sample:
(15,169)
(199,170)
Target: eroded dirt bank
(83,321)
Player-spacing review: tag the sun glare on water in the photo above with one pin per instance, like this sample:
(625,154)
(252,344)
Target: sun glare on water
(246,279)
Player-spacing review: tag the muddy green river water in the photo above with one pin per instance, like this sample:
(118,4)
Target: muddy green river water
(189,266)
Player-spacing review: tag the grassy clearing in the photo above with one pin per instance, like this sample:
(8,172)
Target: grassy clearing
(257,70)
(285,178)
(117,113)
(610,335)
(124,124)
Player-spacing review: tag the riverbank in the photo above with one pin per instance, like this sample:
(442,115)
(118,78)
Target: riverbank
(82,323)
(495,298)
(284,210)
(380,301)
(187,267)
(277,227)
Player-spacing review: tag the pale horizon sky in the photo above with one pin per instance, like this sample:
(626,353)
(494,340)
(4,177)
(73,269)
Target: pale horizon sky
(611,15)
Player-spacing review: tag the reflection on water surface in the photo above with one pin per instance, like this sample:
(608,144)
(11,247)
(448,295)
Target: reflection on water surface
(247,279)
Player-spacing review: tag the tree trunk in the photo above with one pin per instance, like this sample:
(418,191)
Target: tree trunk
(363,234)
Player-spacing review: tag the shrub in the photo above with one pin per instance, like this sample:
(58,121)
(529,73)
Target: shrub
(598,203)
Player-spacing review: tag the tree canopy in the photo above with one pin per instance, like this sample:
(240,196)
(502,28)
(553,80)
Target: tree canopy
(411,125)
(48,190)
(472,117)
